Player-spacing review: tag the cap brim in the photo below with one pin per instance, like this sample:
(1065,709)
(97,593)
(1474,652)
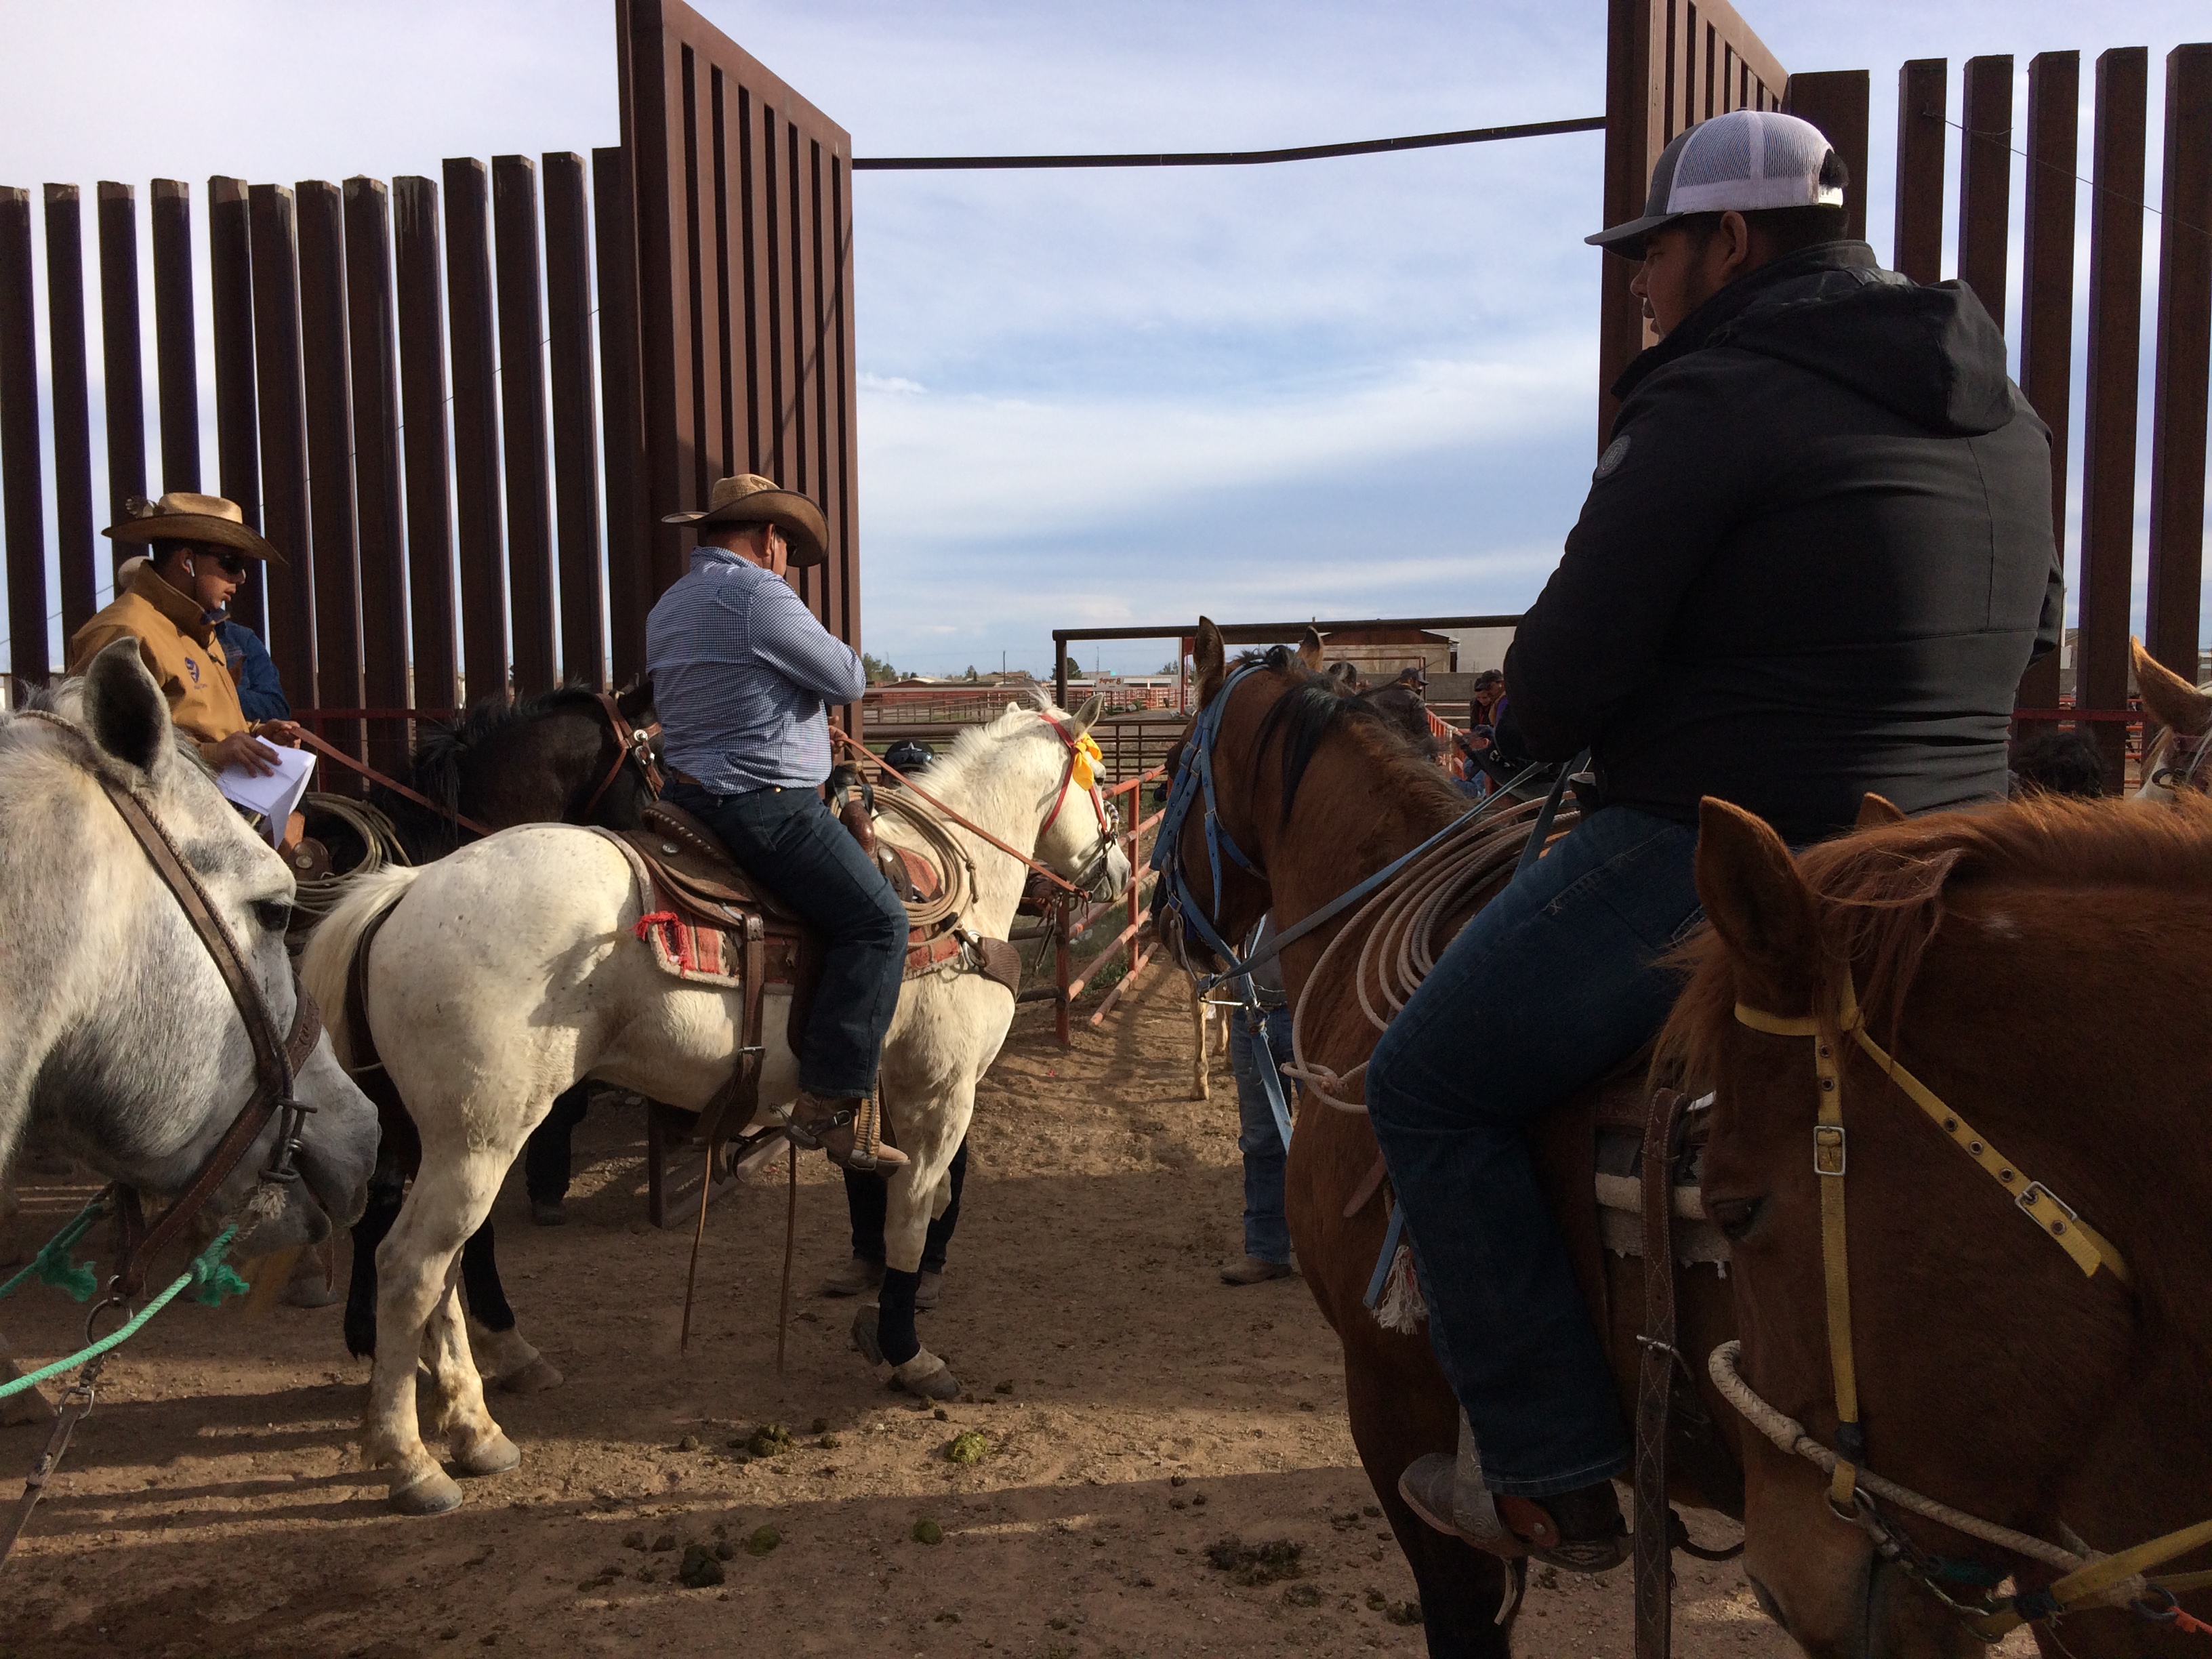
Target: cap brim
(788,511)
(1627,240)
(195,527)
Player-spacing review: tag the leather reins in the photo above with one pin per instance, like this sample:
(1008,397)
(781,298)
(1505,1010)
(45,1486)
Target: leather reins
(2103,1580)
(276,1064)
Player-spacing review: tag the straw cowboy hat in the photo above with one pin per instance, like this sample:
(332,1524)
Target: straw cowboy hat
(750,498)
(181,516)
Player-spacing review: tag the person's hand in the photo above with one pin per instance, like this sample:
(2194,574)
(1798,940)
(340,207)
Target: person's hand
(284,732)
(243,749)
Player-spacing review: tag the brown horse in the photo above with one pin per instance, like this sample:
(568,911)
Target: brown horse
(2045,969)
(1319,792)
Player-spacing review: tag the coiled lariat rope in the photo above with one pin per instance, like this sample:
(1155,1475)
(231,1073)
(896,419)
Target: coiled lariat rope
(952,859)
(1409,916)
(318,895)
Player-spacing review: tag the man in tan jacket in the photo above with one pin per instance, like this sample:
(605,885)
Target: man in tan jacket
(198,547)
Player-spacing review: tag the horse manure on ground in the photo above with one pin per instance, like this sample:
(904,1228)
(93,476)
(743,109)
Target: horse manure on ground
(926,1531)
(764,1539)
(1256,1564)
(769,1440)
(1304,1596)
(699,1571)
(967,1447)
(665,1543)
(821,1427)
(688,1442)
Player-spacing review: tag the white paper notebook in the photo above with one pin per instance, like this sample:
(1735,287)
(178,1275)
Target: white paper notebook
(275,796)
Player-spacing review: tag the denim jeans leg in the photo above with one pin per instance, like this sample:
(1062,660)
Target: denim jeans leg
(788,840)
(1266,1233)
(1554,982)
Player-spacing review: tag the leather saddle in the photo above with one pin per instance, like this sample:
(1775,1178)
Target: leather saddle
(694,874)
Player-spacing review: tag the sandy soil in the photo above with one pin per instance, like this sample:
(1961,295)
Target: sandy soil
(1136,1410)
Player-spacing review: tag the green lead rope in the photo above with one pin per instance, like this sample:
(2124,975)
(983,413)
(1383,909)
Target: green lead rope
(209,1279)
(52,1265)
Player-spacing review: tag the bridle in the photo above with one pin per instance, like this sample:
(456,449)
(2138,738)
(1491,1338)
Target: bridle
(1194,781)
(632,746)
(276,1064)
(1084,759)
(2114,1580)
(2178,745)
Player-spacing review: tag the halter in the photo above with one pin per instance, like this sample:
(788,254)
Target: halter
(2181,744)
(276,1063)
(2103,1581)
(632,746)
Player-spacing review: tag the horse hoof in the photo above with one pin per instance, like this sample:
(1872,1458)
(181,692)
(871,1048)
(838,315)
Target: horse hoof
(433,1493)
(864,1334)
(927,1376)
(494,1456)
(539,1374)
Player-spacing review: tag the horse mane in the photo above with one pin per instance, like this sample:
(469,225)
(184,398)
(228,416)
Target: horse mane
(1314,705)
(1881,894)
(445,746)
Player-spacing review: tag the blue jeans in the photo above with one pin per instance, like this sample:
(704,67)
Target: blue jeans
(1266,1234)
(788,840)
(1553,983)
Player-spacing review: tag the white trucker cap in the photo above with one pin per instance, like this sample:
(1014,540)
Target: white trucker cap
(1747,160)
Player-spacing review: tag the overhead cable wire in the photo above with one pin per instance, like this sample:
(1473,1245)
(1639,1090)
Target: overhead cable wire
(1224,158)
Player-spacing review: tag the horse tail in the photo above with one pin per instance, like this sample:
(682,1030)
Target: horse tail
(326,965)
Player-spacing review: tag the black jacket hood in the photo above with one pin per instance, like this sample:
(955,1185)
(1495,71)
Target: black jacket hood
(1931,353)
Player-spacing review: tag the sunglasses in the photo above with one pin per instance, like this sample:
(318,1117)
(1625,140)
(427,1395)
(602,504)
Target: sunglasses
(231,564)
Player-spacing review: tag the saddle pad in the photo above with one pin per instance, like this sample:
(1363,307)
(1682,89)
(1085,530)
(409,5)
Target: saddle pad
(706,955)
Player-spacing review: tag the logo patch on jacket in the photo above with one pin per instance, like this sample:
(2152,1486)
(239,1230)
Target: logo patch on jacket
(1609,463)
(194,669)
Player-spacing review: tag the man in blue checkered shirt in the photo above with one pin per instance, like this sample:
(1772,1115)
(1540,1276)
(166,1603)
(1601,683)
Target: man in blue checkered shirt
(743,674)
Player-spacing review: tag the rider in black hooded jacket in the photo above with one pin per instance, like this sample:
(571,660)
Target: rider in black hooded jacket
(1808,560)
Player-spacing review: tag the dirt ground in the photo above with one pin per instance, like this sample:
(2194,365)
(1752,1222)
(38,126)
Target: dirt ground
(1135,1410)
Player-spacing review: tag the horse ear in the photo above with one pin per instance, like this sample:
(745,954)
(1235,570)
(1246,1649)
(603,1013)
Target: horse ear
(1309,650)
(2173,700)
(1759,905)
(637,699)
(124,712)
(1875,810)
(1209,658)
(1088,716)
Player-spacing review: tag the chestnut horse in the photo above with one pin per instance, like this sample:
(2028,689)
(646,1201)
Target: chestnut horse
(1318,792)
(2044,969)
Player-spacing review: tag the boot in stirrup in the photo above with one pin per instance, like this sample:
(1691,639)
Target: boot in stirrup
(851,1131)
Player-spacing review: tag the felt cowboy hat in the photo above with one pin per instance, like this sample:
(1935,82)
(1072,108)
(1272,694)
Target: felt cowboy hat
(750,498)
(182,516)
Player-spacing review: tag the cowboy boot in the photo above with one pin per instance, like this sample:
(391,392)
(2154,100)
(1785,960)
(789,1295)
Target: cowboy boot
(1580,1530)
(850,1130)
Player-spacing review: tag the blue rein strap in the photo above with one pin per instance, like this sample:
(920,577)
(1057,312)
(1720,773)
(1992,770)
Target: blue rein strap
(1542,832)
(1271,1072)
(1397,1231)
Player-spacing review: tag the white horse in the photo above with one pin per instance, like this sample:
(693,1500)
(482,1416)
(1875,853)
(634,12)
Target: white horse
(116,1033)
(509,971)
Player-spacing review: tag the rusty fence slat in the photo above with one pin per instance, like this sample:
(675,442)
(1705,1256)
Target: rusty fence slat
(1836,101)
(1985,181)
(121,350)
(2047,293)
(176,345)
(759,349)
(237,450)
(725,101)
(842,489)
(1922,89)
(630,574)
(372,362)
(330,459)
(575,438)
(419,292)
(65,348)
(2183,355)
(476,430)
(522,408)
(283,422)
(24,518)
(2108,441)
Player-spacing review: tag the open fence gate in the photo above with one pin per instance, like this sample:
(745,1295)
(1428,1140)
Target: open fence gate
(453,524)
(1672,63)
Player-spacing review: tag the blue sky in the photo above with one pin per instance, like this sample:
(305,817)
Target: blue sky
(1355,387)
